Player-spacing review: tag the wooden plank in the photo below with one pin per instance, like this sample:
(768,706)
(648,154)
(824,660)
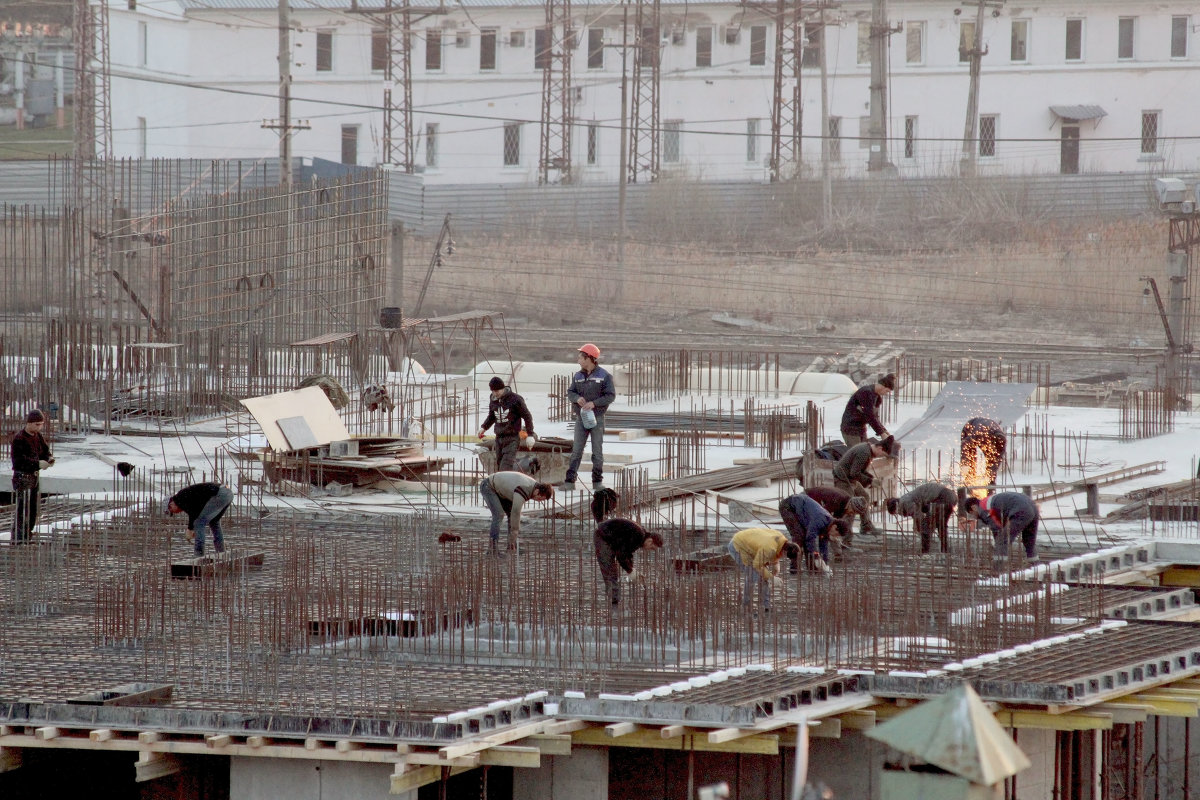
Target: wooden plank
(101,735)
(729,734)
(453,751)
(435,759)
(151,766)
(620,729)
(863,720)
(46,733)
(148,737)
(218,740)
(507,755)
(1075,721)
(551,744)
(672,731)
(415,779)
(756,743)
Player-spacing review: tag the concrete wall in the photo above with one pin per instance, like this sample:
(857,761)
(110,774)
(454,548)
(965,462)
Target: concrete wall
(583,775)
(293,779)
(1037,782)
(717,107)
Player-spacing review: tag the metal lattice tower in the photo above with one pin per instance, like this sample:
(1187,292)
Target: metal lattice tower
(557,102)
(787,113)
(644,116)
(93,104)
(398,142)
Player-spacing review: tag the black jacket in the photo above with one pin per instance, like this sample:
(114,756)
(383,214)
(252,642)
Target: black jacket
(27,450)
(982,429)
(862,409)
(833,500)
(192,499)
(506,414)
(624,538)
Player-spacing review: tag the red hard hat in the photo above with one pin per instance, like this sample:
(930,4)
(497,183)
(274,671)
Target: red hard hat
(590,349)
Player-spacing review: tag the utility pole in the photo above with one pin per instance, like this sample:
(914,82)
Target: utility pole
(644,156)
(826,177)
(881,31)
(786,109)
(623,176)
(970,147)
(284,124)
(557,102)
(93,105)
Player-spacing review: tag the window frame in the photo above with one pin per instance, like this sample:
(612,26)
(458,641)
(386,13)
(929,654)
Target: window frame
(910,136)
(323,53)
(752,140)
(595,54)
(834,135)
(1154,139)
(439,49)
(1012,40)
(1082,54)
(701,56)
(491,35)
(758,45)
(1184,22)
(511,148)
(672,141)
(143,44)
(862,44)
(432,129)
(989,128)
(812,44)
(543,48)
(919,27)
(1126,38)
(379,50)
(592,144)
(350,135)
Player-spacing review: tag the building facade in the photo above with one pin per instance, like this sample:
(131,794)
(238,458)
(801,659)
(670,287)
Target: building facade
(1065,86)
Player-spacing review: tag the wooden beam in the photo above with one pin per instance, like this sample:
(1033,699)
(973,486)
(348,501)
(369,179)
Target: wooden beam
(863,720)
(345,745)
(758,743)
(218,740)
(1077,721)
(618,729)
(508,755)
(551,744)
(151,766)
(506,736)
(729,734)
(100,735)
(468,761)
(415,779)
(1166,705)
(1125,713)
(672,731)
(257,741)
(47,733)
(312,744)
(565,726)
(148,737)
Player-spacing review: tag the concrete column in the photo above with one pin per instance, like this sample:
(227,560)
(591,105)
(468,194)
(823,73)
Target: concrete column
(19,88)
(1037,782)
(272,778)
(583,775)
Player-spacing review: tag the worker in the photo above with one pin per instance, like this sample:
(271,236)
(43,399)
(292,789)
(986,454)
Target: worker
(811,527)
(841,506)
(862,409)
(505,493)
(204,504)
(507,411)
(30,455)
(616,540)
(757,551)
(850,474)
(1009,515)
(981,433)
(930,506)
(591,392)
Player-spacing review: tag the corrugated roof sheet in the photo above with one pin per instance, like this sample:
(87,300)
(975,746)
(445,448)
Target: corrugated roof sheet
(1078,112)
(378,5)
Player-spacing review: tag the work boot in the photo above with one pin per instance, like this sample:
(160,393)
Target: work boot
(567,486)
(597,486)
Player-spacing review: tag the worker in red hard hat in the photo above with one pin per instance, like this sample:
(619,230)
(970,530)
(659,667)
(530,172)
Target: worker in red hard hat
(591,392)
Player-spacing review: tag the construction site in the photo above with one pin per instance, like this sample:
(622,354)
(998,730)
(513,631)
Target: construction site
(180,322)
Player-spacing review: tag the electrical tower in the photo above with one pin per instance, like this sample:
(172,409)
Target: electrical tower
(93,105)
(397,88)
(644,116)
(556,49)
(787,113)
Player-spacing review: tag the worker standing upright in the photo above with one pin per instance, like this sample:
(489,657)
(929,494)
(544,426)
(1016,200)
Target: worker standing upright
(30,455)
(591,392)
(862,409)
(507,411)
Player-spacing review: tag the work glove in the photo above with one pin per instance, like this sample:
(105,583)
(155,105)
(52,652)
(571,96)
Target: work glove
(481,434)
(44,464)
(776,582)
(530,441)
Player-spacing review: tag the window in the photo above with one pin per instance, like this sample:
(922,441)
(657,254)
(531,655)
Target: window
(143,43)
(810,56)
(379,50)
(433,49)
(541,48)
(987,135)
(758,45)
(648,47)
(1018,45)
(864,43)
(516,39)
(751,141)
(141,137)
(1179,36)
(670,140)
(349,144)
(431,144)
(487,49)
(704,42)
(910,137)
(512,144)
(593,143)
(835,138)
(132,5)
(595,38)
(914,43)
(864,132)
(1074,40)
(325,53)
(1125,38)
(966,41)
(1150,126)
(733,34)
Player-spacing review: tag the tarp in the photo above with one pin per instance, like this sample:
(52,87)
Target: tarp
(958,733)
(958,401)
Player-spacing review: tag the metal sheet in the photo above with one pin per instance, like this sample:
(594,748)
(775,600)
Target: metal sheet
(958,401)
(1078,112)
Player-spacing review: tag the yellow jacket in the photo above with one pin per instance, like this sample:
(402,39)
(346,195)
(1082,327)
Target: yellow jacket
(760,548)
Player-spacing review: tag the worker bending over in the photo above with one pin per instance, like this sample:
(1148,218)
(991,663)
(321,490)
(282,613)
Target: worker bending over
(616,540)
(851,475)
(811,527)
(505,493)
(1009,515)
(862,409)
(981,433)
(757,551)
(930,506)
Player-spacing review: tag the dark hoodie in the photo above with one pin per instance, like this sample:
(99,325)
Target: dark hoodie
(507,412)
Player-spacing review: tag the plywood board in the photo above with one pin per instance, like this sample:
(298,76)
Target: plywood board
(310,403)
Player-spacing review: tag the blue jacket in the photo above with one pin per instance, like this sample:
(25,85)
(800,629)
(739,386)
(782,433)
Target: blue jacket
(812,516)
(597,388)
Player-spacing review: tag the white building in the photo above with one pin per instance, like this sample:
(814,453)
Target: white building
(1067,85)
